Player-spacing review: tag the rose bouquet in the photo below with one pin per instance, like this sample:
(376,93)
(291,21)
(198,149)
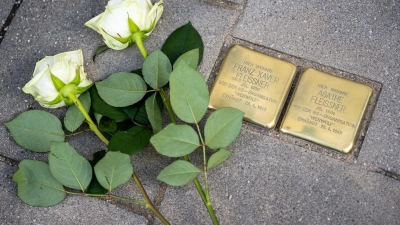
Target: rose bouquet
(124,111)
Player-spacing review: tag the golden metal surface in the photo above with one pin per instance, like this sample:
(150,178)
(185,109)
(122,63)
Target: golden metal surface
(327,110)
(253,82)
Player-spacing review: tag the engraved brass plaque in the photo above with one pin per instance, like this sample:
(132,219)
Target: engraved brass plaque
(327,110)
(253,82)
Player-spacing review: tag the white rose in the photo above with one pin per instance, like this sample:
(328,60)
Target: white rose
(125,21)
(55,74)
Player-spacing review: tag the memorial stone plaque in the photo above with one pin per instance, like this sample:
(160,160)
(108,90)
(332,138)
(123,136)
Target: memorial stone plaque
(253,82)
(327,110)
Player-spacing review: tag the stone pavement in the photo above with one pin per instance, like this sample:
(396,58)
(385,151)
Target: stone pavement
(269,179)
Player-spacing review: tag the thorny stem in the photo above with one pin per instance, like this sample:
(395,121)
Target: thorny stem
(149,204)
(204,194)
(106,195)
(94,128)
(129,200)
(167,104)
(73,134)
(207,191)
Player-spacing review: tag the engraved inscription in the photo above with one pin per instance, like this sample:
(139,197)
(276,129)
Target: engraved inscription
(249,82)
(329,106)
(326,109)
(253,82)
(261,77)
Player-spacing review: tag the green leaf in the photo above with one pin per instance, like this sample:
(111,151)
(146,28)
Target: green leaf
(35,130)
(156,69)
(131,110)
(178,173)
(218,158)
(74,118)
(94,186)
(113,170)
(222,127)
(101,107)
(176,140)
(68,167)
(100,50)
(189,93)
(36,185)
(137,112)
(122,89)
(183,40)
(98,117)
(154,113)
(191,58)
(107,125)
(138,72)
(97,156)
(131,141)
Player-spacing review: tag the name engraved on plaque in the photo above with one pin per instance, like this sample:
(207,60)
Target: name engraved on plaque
(253,82)
(327,110)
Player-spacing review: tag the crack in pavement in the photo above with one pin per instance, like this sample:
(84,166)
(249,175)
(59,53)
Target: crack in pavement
(9,19)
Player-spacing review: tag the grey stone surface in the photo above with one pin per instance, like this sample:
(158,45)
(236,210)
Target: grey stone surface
(147,165)
(40,29)
(357,37)
(73,210)
(212,22)
(5,8)
(50,27)
(266,181)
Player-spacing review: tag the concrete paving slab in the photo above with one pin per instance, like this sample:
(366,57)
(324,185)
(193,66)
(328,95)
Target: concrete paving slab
(5,8)
(357,37)
(50,27)
(212,22)
(40,29)
(73,210)
(147,165)
(266,181)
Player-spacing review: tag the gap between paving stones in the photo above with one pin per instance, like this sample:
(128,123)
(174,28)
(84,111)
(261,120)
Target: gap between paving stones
(273,133)
(9,19)
(120,203)
(8,161)
(224,4)
(238,8)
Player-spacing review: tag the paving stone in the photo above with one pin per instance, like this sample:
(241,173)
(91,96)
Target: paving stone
(39,28)
(266,181)
(73,210)
(50,27)
(212,22)
(5,8)
(357,37)
(147,165)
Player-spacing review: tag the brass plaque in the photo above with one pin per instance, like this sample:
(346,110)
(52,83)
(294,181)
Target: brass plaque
(327,110)
(253,82)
